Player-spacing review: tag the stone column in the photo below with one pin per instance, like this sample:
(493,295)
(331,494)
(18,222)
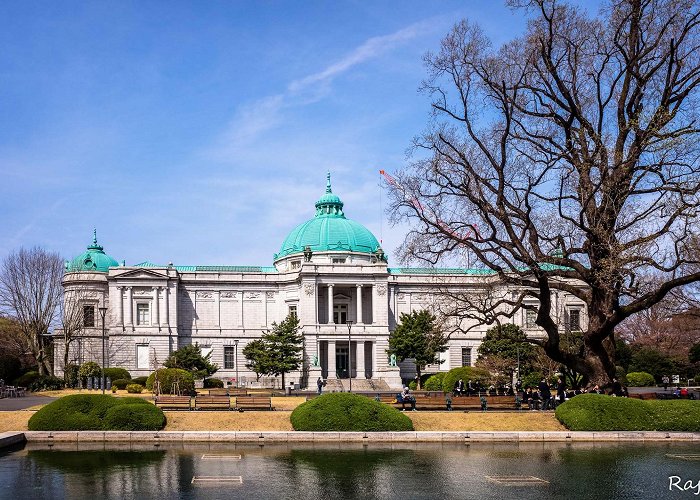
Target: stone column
(166,304)
(359,305)
(360,362)
(331,359)
(156,305)
(120,306)
(330,307)
(217,306)
(129,306)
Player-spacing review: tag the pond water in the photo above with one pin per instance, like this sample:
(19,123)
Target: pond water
(344,471)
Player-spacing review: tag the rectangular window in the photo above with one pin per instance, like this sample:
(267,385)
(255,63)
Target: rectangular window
(293,311)
(338,261)
(575,320)
(340,314)
(89,316)
(229,356)
(206,351)
(466,356)
(530,317)
(296,264)
(143,314)
(142,357)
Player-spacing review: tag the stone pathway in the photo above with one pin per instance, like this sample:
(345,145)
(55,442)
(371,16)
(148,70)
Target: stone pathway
(14,404)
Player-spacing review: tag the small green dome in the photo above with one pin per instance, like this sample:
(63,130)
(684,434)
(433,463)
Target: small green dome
(94,259)
(329,230)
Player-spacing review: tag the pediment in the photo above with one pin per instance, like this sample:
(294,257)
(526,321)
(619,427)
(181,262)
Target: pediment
(340,296)
(141,274)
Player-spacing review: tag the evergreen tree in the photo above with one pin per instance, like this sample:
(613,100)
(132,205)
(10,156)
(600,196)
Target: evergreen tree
(190,358)
(419,338)
(257,355)
(283,345)
(503,346)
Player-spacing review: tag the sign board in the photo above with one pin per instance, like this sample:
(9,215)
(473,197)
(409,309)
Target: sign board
(676,379)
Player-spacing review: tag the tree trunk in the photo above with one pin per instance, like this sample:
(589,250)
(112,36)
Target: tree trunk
(418,373)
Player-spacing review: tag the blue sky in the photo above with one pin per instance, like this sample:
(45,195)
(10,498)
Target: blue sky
(201,132)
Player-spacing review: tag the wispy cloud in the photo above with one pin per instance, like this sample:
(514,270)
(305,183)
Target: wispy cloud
(255,118)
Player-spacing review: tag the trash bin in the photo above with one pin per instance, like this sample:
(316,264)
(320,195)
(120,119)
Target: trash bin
(288,391)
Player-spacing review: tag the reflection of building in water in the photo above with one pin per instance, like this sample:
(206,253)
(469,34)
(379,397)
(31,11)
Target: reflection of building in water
(329,270)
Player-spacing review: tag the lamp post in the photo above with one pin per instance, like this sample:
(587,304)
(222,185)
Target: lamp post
(235,359)
(103,313)
(349,323)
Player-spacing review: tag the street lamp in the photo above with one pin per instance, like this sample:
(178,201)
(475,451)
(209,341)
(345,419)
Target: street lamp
(349,323)
(235,359)
(103,313)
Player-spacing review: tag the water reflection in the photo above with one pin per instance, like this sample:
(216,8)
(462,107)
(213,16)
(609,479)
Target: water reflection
(308,472)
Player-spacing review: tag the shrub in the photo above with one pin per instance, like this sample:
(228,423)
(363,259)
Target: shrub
(89,369)
(348,412)
(166,377)
(595,412)
(413,385)
(213,383)
(117,373)
(140,380)
(46,383)
(640,379)
(70,375)
(134,417)
(697,379)
(434,382)
(10,368)
(89,412)
(466,373)
(27,379)
(121,383)
(134,389)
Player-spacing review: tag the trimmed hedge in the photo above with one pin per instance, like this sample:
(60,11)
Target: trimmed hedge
(46,383)
(121,383)
(466,373)
(596,412)
(140,380)
(348,412)
(166,377)
(134,389)
(640,379)
(89,412)
(213,383)
(134,417)
(434,382)
(87,370)
(27,379)
(117,374)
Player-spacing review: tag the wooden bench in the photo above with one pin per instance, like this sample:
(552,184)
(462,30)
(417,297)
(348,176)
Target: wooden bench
(253,403)
(220,402)
(218,392)
(238,392)
(174,402)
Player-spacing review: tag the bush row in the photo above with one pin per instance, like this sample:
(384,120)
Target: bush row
(91,412)
(348,412)
(594,412)
(168,376)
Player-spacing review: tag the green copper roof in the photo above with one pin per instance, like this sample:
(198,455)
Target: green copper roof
(220,269)
(437,270)
(329,230)
(92,260)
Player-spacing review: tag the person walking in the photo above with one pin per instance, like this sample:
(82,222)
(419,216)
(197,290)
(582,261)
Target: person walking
(319,384)
(545,394)
(561,391)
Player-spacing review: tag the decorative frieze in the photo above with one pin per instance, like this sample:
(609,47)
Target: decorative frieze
(204,295)
(309,289)
(381,290)
(228,295)
(252,295)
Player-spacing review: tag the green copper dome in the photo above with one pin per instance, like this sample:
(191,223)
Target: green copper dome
(92,260)
(329,230)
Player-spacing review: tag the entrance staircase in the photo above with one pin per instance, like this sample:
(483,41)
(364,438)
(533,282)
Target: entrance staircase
(358,385)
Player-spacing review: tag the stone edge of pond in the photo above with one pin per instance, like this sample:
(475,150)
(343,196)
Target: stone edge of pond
(8,439)
(365,437)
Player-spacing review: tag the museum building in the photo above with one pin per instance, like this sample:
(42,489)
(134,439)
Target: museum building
(330,272)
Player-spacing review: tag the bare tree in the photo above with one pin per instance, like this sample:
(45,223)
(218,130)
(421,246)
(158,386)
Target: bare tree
(566,160)
(30,291)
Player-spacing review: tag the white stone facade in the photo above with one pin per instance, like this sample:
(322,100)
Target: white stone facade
(153,310)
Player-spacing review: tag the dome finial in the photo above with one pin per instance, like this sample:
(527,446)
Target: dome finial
(328,183)
(94,236)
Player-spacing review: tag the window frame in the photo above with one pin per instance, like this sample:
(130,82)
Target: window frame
(229,357)
(139,307)
(139,366)
(91,307)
